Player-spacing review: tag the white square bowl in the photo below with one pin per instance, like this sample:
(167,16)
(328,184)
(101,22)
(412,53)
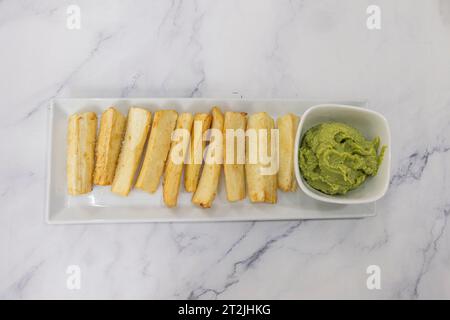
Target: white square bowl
(371,124)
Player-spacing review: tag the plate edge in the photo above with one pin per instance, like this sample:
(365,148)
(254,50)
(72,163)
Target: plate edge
(48,169)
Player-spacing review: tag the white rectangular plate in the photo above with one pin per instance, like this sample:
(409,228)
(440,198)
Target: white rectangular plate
(102,206)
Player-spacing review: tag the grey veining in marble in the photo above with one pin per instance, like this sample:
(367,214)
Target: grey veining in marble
(250,49)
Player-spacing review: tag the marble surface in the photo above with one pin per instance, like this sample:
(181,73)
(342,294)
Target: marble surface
(250,49)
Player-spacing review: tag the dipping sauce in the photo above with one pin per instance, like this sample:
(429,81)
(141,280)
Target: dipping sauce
(335,158)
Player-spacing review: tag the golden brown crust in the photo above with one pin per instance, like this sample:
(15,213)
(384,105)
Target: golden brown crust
(157,150)
(260,187)
(196,149)
(173,171)
(138,125)
(81,135)
(287,128)
(234,171)
(209,180)
(112,129)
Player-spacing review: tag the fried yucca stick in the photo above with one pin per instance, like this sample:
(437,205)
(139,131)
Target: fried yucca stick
(158,147)
(260,187)
(174,169)
(81,134)
(287,128)
(109,141)
(196,148)
(234,159)
(209,180)
(138,125)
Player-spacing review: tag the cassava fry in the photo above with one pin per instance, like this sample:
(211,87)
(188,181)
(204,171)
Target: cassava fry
(175,162)
(261,186)
(80,152)
(209,180)
(287,128)
(196,148)
(234,156)
(109,141)
(158,147)
(138,125)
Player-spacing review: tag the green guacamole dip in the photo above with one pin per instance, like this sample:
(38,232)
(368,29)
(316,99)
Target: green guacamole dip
(335,158)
